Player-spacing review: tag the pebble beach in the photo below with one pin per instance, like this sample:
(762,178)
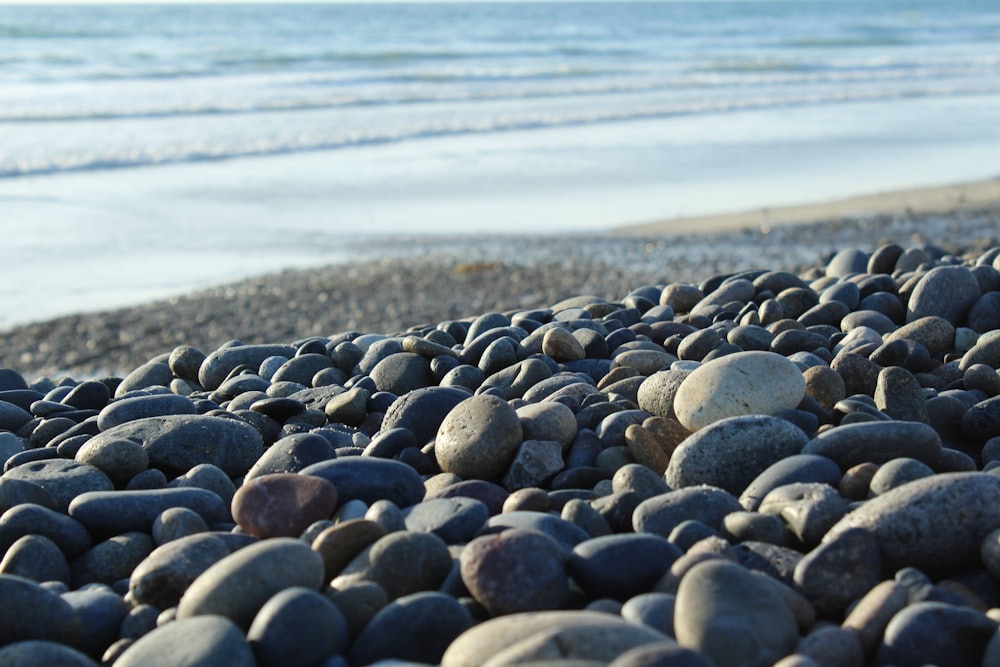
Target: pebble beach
(752,446)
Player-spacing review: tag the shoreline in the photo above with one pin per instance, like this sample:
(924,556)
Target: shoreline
(929,200)
(407,282)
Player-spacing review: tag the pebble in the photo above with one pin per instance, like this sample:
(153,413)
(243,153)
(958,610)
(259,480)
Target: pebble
(206,640)
(479,438)
(238,585)
(745,383)
(725,613)
(732,451)
(31,612)
(589,473)
(935,524)
(35,652)
(540,561)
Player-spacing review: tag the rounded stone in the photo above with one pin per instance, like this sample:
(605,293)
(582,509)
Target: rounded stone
(422,411)
(35,652)
(621,566)
(944,291)
(731,452)
(370,479)
(120,459)
(825,385)
(298,626)
(69,535)
(401,563)
(177,443)
(838,572)
(37,558)
(935,633)
(402,372)
(561,345)
(542,583)
(479,438)
(744,383)
(203,640)
(237,586)
(415,629)
(454,520)
(341,543)
(800,468)
(283,504)
(732,616)
(110,512)
(876,442)
(897,472)
(292,453)
(139,407)
(935,524)
(162,577)
(112,560)
(32,612)
(661,514)
(62,478)
(547,421)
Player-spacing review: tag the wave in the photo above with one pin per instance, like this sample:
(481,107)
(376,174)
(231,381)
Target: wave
(303,142)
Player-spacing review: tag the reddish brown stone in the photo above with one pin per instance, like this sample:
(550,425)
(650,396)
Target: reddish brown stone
(283,504)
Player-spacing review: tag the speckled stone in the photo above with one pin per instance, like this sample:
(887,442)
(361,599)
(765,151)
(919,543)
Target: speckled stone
(802,468)
(139,407)
(870,616)
(657,392)
(112,560)
(876,442)
(840,571)
(944,291)
(237,586)
(746,383)
(547,421)
(535,463)
(120,460)
(542,582)
(283,504)
(479,438)
(935,524)
(899,395)
(661,514)
(731,452)
(936,633)
(63,479)
(808,509)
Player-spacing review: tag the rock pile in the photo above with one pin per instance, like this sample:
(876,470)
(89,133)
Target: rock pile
(763,468)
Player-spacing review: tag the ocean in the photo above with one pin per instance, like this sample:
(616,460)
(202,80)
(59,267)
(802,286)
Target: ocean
(147,150)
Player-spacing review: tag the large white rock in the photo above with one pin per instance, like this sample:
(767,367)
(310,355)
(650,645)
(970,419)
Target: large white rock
(744,383)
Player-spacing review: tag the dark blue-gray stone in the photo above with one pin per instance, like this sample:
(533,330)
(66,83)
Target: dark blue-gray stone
(121,511)
(12,418)
(28,519)
(292,453)
(207,640)
(935,633)
(177,443)
(661,514)
(454,520)
(63,478)
(370,479)
(50,654)
(982,420)
(29,611)
(220,363)
(18,491)
(139,407)
(402,372)
(566,534)
(101,613)
(297,626)
(876,442)
(797,468)
(621,566)
(111,560)
(37,558)
(422,411)
(945,291)
(416,628)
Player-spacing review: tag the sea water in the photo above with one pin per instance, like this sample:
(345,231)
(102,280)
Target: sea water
(149,149)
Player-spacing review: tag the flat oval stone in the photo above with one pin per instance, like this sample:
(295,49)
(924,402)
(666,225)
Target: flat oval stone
(935,333)
(547,421)
(112,560)
(621,566)
(421,411)
(840,571)
(566,534)
(36,652)
(661,514)
(207,640)
(292,453)
(944,291)
(32,612)
(13,417)
(28,519)
(454,520)
(151,374)
(37,558)
(283,504)
(298,626)
(657,392)
(62,478)
(982,420)
(928,633)
(110,512)
(402,372)
(799,468)
(139,407)
(594,644)
(370,479)
(731,452)
(341,543)
(177,443)
(745,383)
(401,563)
(479,438)
(237,586)
(162,577)
(477,645)
(415,629)
(876,442)
(120,460)
(733,617)
(220,363)
(935,524)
